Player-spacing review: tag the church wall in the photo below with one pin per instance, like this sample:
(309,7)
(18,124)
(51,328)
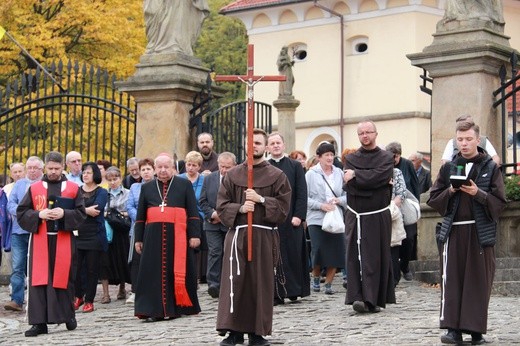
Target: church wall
(380,84)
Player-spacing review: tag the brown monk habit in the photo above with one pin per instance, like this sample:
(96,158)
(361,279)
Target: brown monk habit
(253,289)
(369,191)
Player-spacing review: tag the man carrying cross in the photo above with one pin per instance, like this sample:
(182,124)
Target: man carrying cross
(167,230)
(247,287)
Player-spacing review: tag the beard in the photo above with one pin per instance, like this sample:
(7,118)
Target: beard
(205,151)
(258,156)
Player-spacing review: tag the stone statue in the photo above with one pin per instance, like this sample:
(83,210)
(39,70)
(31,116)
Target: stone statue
(486,10)
(285,65)
(173,26)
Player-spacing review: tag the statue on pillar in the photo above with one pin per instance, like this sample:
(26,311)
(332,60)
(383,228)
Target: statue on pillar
(173,26)
(485,10)
(285,64)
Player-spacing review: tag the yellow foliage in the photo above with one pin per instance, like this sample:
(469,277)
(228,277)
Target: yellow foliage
(109,33)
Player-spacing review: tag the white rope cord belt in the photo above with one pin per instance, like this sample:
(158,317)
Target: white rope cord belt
(444,276)
(234,249)
(458,223)
(358,220)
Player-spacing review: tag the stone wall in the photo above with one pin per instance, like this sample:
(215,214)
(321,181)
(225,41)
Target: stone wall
(508,237)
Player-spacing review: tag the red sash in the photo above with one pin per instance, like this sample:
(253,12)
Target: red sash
(40,254)
(178,217)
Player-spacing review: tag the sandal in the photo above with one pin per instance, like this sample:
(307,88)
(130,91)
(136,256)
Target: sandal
(105,300)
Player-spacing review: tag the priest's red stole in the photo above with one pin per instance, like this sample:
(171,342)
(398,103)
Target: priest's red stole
(177,216)
(40,254)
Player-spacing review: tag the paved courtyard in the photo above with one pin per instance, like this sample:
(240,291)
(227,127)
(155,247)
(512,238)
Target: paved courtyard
(318,319)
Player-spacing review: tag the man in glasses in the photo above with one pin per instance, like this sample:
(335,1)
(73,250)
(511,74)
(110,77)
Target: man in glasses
(73,161)
(19,238)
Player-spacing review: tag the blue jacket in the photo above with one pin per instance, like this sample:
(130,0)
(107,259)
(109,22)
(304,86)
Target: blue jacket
(5,222)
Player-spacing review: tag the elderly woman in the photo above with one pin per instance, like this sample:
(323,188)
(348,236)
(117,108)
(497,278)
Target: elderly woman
(146,170)
(91,241)
(325,193)
(299,156)
(193,162)
(115,269)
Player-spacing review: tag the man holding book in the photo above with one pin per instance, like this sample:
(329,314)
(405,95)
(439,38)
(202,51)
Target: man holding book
(467,235)
(50,210)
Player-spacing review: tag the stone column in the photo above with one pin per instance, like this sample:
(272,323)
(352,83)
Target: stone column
(163,87)
(286,107)
(463,60)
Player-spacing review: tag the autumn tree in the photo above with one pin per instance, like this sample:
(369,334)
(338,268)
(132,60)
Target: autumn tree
(109,34)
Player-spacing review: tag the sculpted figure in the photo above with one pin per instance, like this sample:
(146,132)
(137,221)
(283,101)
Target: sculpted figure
(173,25)
(285,65)
(490,10)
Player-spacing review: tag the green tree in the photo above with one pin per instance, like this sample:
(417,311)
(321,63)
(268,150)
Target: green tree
(222,46)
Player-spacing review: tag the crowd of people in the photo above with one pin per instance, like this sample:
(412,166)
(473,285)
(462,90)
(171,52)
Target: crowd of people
(171,225)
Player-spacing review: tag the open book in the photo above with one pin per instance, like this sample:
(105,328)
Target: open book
(461,179)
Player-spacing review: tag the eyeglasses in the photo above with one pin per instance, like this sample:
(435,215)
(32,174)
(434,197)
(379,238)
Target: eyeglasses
(366,133)
(35,168)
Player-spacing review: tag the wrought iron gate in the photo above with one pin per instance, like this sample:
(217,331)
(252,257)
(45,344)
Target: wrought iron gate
(228,126)
(507,100)
(89,116)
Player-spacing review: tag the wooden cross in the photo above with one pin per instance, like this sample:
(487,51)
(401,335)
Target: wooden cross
(250,80)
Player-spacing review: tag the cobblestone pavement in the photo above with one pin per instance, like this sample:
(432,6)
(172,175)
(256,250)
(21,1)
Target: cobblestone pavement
(318,319)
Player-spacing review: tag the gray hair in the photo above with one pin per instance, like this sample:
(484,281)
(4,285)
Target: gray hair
(394,147)
(227,155)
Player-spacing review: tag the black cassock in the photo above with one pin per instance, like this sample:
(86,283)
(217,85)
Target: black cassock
(165,244)
(292,275)
(48,304)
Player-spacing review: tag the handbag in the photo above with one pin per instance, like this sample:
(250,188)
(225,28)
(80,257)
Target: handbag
(116,220)
(411,209)
(333,221)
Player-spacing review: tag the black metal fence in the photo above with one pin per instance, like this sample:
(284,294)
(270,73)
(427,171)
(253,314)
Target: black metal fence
(87,114)
(506,98)
(228,126)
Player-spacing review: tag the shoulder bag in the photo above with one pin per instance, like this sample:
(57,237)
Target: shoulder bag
(117,221)
(411,209)
(333,220)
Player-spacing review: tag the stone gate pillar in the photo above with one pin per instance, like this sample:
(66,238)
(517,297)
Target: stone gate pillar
(463,60)
(286,107)
(163,87)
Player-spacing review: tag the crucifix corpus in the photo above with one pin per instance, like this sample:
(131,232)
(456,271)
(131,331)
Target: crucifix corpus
(250,80)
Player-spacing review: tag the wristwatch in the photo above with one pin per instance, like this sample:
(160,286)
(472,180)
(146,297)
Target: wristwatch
(262,200)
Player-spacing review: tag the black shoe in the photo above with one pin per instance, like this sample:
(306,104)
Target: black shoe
(154,319)
(453,336)
(278,301)
(477,339)
(293,299)
(257,340)
(360,306)
(373,309)
(233,339)
(36,330)
(408,276)
(345,284)
(72,324)
(213,291)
